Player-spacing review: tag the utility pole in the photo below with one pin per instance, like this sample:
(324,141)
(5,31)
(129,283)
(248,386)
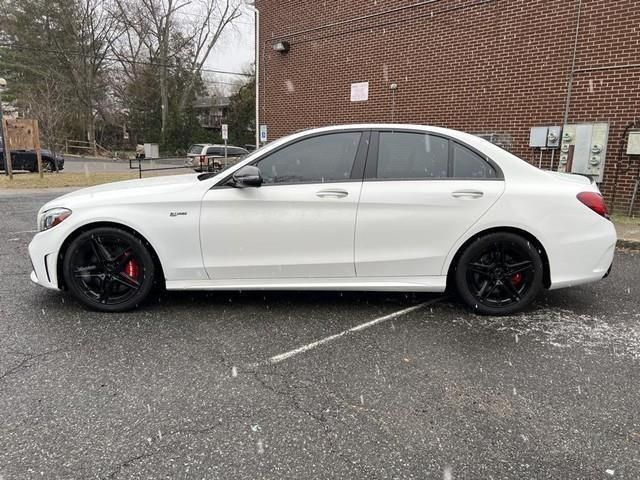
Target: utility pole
(252,6)
(7,153)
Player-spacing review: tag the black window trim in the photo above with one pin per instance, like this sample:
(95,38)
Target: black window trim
(371,169)
(357,171)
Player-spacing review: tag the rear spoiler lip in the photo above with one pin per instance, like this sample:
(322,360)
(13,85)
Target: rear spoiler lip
(590,177)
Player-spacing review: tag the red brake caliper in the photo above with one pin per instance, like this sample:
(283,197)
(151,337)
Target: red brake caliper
(516,279)
(131,269)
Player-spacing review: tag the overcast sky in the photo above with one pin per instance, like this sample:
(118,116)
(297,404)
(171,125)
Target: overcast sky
(235,50)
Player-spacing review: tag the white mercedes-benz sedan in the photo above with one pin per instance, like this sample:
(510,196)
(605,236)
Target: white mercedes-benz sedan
(356,207)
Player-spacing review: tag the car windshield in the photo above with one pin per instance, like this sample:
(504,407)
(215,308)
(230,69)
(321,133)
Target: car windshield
(195,149)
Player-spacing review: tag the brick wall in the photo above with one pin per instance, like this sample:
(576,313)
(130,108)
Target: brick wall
(483,66)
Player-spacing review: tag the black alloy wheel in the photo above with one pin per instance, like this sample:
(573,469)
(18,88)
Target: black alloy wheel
(499,274)
(108,269)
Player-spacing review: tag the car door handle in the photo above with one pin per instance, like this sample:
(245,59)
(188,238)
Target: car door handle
(332,193)
(467,194)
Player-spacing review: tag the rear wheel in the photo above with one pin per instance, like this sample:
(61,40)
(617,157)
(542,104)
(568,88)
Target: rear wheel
(499,274)
(109,269)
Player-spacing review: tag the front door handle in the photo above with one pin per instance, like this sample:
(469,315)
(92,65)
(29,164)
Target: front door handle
(467,194)
(332,193)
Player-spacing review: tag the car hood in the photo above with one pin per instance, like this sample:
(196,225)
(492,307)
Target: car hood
(126,191)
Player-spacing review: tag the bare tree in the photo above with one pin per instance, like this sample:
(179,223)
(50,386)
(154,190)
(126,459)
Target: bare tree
(205,32)
(157,34)
(85,51)
(153,23)
(48,104)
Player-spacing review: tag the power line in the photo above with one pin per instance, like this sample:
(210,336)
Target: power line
(473,4)
(116,59)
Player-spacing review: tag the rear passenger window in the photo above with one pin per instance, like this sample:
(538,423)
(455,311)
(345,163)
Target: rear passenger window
(468,164)
(412,155)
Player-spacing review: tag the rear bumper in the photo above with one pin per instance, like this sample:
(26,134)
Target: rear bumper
(583,258)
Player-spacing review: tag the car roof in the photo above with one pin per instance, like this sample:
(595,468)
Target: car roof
(218,145)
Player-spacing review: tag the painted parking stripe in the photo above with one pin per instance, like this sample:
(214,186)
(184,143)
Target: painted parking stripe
(24,231)
(310,346)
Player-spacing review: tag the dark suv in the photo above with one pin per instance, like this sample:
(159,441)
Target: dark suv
(28,160)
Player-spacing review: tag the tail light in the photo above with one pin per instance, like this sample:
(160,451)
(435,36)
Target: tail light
(203,159)
(595,202)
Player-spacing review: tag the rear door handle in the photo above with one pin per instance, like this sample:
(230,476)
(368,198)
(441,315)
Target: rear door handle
(332,193)
(467,194)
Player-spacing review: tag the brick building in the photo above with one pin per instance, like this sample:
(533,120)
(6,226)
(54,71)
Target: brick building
(493,67)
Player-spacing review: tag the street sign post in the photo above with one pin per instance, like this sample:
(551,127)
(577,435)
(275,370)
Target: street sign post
(263,134)
(225,137)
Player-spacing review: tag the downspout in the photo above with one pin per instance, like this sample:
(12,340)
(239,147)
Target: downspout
(567,106)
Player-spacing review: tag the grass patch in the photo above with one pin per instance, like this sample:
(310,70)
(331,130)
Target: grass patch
(61,180)
(622,219)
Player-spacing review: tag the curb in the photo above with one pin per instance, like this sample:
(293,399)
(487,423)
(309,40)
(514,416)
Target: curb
(628,244)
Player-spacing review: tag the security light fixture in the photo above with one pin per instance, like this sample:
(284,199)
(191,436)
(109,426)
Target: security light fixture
(282,47)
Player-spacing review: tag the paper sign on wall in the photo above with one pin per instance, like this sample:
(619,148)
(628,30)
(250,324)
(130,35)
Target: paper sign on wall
(360,92)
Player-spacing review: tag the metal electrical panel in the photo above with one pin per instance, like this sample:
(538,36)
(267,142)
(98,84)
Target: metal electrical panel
(633,144)
(584,149)
(545,137)
(538,137)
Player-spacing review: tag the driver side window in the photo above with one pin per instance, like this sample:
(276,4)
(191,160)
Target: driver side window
(321,159)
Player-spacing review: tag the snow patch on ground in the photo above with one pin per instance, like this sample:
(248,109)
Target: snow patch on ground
(566,329)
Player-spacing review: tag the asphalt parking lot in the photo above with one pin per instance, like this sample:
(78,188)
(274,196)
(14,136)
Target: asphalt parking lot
(262,385)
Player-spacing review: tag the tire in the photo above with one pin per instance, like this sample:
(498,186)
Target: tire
(499,274)
(109,269)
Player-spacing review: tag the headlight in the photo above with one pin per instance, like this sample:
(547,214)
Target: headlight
(51,218)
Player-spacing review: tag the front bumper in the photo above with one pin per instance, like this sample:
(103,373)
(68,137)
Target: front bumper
(44,262)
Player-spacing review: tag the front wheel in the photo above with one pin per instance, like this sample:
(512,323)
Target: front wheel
(499,274)
(109,269)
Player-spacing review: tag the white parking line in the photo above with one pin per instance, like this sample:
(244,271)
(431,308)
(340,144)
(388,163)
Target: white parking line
(24,231)
(310,346)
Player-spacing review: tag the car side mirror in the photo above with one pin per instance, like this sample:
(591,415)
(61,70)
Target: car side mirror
(247,176)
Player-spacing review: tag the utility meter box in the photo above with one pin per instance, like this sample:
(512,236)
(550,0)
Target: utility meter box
(583,149)
(553,137)
(633,143)
(151,150)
